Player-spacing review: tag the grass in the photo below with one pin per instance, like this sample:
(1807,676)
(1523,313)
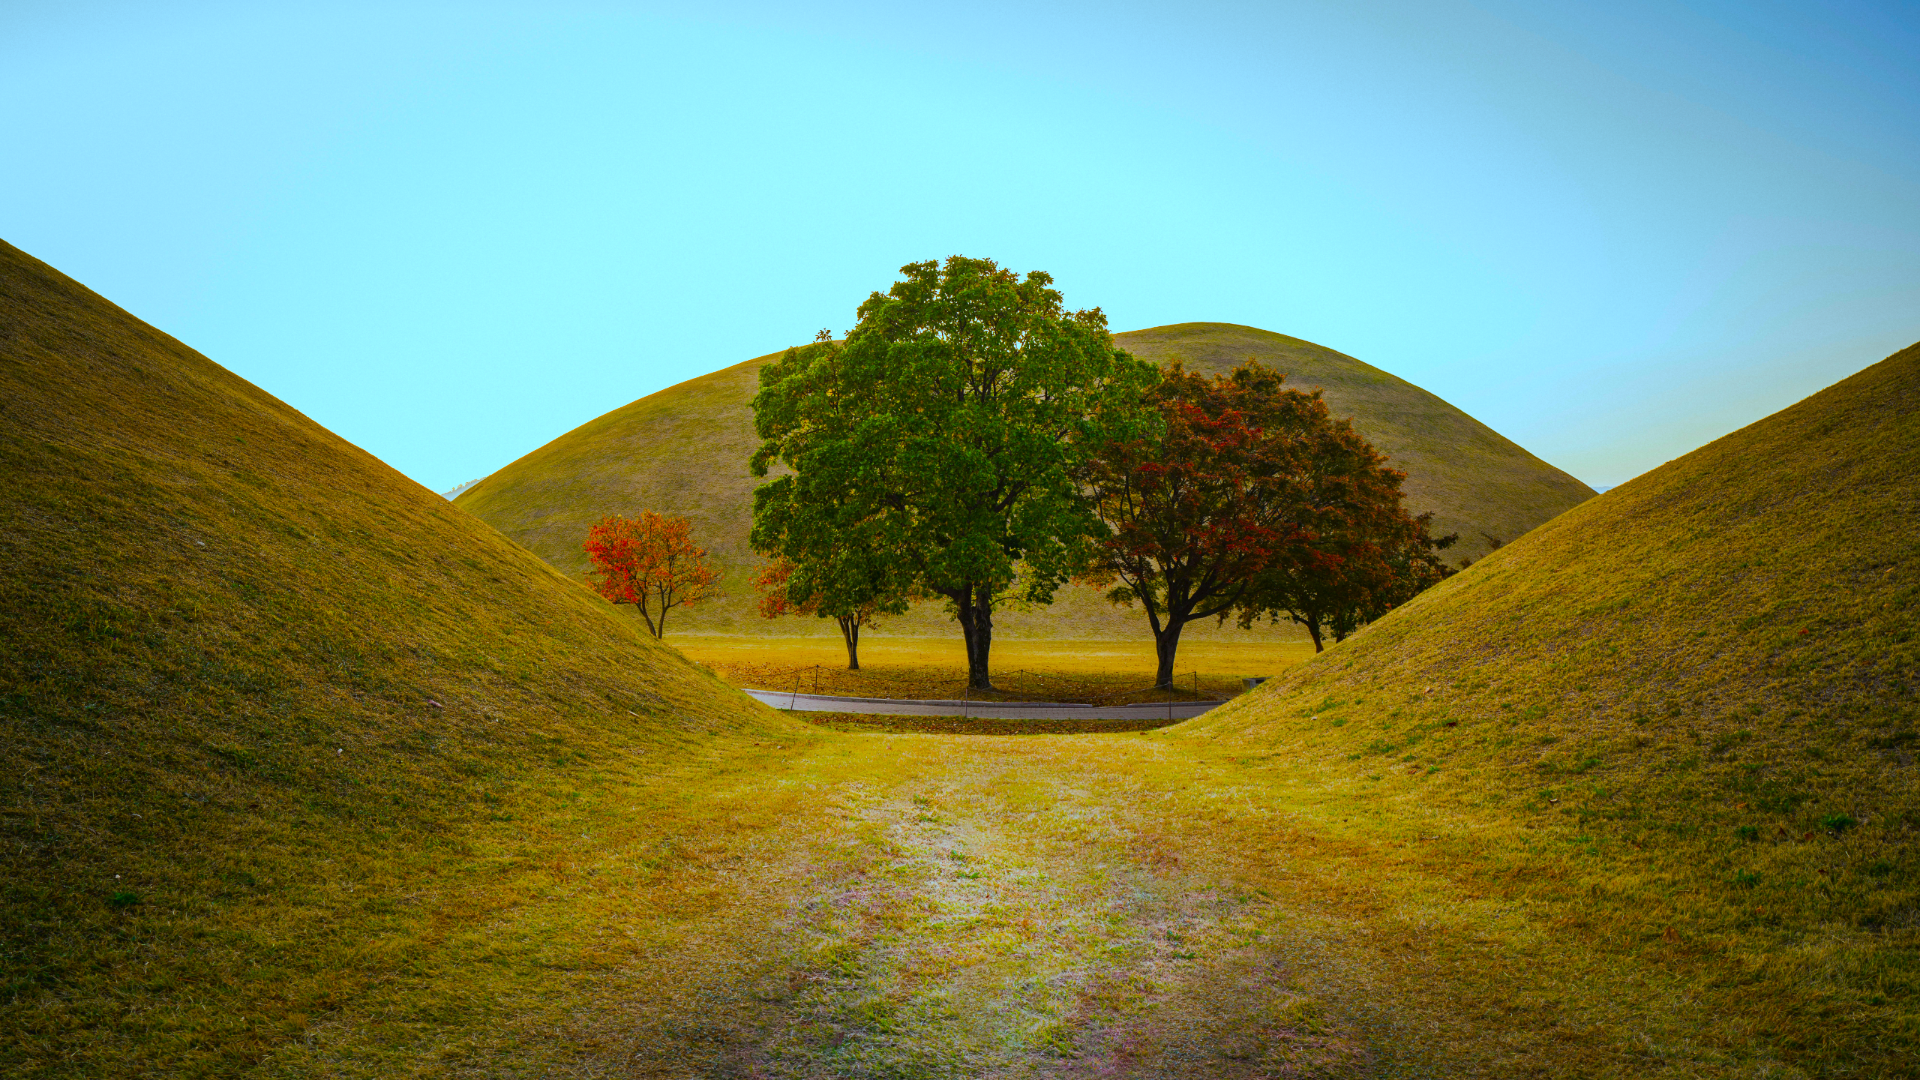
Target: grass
(880,723)
(1024,670)
(309,774)
(1679,717)
(684,450)
(1052,905)
(276,720)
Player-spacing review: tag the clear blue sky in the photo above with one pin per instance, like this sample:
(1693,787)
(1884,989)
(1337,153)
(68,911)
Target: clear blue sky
(452,232)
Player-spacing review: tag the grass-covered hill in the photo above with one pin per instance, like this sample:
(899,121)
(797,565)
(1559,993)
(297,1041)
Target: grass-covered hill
(305,773)
(1681,718)
(1477,482)
(684,450)
(278,727)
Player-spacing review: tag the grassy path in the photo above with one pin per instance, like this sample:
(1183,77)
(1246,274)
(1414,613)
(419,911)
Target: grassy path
(996,918)
(1052,906)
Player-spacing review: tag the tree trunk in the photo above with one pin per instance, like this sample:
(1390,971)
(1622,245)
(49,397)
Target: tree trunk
(850,630)
(975,607)
(1313,631)
(1166,636)
(1166,642)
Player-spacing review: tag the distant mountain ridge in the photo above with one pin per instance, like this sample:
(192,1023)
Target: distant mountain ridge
(684,450)
(458,489)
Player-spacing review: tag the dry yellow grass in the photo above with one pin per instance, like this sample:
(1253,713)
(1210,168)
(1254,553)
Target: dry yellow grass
(1681,717)
(1023,669)
(275,719)
(1134,905)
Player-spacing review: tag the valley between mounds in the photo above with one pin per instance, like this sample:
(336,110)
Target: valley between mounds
(1138,905)
(308,773)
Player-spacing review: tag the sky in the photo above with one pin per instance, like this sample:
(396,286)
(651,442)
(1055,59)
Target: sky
(452,232)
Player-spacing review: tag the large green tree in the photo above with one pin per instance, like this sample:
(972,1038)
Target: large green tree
(941,439)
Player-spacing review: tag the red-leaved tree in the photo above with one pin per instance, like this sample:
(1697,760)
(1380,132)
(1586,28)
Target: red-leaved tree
(1360,553)
(1198,511)
(650,562)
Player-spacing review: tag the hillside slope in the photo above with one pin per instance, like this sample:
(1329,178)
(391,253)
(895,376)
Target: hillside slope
(1477,482)
(684,449)
(266,705)
(1684,712)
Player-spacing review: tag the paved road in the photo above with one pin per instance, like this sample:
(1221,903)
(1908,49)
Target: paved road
(997,710)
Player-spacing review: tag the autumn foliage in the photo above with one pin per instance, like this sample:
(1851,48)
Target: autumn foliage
(1196,511)
(1252,499)
(650,562)
(777,586)
(1361,553)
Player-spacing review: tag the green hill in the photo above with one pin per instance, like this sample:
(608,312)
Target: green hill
(279,725)
(684,451)
(1681,717)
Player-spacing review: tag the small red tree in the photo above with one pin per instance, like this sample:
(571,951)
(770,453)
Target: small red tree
(776,599)
(650,562)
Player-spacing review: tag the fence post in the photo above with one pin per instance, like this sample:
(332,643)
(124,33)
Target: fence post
(795,696)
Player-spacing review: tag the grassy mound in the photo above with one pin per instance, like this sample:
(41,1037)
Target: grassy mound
(1477,482)
(1680,720)
(684,451)
(307,774)
(278,723)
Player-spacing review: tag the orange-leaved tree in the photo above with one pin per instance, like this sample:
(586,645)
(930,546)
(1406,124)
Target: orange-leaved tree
(650,562)
(1252,498)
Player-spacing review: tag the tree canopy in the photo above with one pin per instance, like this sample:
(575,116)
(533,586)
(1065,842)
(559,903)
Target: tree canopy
(1251,498)
(785,589)
(1196,510)
(650,562)
(1361,554)
(940,441)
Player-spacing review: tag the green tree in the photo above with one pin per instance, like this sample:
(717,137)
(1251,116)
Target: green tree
(821,564)
(942,437)
(818,589)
